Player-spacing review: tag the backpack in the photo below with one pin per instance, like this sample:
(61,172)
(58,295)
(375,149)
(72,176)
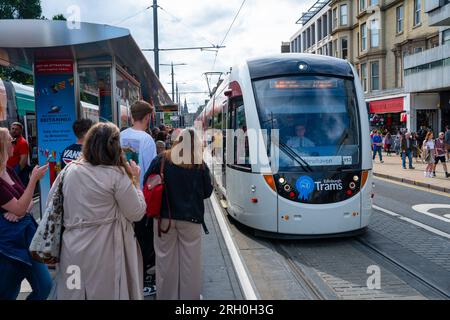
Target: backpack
(153,193)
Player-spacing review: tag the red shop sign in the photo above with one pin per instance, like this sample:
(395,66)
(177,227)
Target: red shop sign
(387,106)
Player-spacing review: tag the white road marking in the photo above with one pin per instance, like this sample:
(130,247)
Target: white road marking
(414,222)
(426,208)
(241,271)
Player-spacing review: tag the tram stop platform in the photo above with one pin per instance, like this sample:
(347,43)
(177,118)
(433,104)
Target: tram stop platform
(219,277)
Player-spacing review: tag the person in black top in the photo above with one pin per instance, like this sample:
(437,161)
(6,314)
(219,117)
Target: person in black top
(73,152)
(178,252)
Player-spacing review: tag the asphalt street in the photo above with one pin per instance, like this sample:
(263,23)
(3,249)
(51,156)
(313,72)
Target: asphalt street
(412,202)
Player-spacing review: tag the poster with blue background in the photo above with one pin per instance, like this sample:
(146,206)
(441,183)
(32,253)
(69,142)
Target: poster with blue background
(55,114)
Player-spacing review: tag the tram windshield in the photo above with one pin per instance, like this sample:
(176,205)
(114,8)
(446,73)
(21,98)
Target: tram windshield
(317,119)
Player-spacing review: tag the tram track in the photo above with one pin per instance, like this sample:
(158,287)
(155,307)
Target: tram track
(300,274)
(325,269)
(402,267)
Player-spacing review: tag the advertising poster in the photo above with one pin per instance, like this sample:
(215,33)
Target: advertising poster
(55,114)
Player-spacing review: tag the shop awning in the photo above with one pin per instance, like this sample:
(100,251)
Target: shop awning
(395,105)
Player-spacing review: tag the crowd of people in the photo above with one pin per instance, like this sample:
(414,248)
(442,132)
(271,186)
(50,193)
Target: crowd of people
(419,145)
(117,247)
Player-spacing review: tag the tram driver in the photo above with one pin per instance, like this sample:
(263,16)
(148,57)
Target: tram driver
(300,141)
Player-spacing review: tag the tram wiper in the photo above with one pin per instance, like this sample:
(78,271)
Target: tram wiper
(296,157)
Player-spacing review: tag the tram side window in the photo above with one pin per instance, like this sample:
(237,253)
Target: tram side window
(218,118)
(241,146)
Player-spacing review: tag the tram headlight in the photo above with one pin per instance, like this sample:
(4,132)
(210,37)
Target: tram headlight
(282,181)
(356,178)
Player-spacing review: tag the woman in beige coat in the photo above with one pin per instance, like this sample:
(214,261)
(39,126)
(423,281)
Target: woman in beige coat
(100,257)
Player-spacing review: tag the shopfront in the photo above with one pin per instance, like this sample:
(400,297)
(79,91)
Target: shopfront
(426,111)
(388,114)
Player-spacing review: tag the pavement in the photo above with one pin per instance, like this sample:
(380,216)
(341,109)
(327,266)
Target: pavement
(392,169)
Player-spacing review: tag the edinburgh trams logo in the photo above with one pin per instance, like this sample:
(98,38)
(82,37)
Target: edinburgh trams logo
(305,187)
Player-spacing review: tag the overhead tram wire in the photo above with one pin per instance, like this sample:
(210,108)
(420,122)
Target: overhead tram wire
(178,20)
(132,16)
(228,32)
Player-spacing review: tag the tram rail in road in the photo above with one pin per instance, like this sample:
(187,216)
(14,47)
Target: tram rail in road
(325,269)
(422,278)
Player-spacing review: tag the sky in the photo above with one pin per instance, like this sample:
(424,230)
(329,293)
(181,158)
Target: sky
(260,28)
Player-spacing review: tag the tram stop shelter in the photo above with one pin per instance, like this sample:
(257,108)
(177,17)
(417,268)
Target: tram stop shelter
(80,70)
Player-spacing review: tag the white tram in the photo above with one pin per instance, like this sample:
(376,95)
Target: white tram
(303,167)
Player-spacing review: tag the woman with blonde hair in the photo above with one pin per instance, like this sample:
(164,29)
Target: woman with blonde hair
(428,151)
(178,252)
(17,228)
(101,201)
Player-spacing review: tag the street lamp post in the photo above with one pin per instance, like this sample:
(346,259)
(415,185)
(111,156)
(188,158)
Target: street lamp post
(156,36)
(173,75)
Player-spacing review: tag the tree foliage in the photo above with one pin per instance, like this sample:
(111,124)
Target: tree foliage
(20,9)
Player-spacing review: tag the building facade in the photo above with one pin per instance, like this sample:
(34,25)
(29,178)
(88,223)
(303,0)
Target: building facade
(376,36)
(427,73)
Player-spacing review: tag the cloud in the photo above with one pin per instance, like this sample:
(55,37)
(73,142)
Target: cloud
(259,30)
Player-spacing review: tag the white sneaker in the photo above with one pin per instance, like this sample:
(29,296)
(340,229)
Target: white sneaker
(425,174)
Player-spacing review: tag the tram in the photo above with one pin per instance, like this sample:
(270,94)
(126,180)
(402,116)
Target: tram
(301,167)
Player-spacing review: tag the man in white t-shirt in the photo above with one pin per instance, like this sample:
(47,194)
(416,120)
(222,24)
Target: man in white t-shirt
(139,146)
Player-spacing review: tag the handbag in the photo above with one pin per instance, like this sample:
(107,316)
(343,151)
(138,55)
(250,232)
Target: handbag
(153,191)
(46,244)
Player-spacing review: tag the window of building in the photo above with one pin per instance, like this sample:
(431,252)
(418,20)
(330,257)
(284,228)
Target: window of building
(400,18)
(319,51)
(330,48)
(344,15)
(330,23)
(325,25)
(344,48)
(304,41)
(375,75)
(319,29)
(362,5)
(363,37)
(364,76)
(313,34)
(418,49)
(335,47)
(417,11)
(373,2)
(446,36)
(335,18)
(374,34)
